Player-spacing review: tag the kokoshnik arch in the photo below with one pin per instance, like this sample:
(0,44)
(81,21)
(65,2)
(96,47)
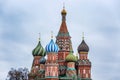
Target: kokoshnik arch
(61,63)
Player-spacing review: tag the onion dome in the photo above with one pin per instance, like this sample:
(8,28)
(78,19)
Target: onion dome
(52,47)
(63,11)
(39,50)
(83,47)
(70,57)
(42,60)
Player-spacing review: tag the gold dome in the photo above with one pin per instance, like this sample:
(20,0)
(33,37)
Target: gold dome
(63,11)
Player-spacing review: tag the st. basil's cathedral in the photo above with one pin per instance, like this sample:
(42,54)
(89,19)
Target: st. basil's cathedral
(61,63)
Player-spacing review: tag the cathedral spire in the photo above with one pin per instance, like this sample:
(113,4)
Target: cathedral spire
(51,34)
(63,31)
(63,38)
(39,37)
(83,47)
(82,35)
(63,13)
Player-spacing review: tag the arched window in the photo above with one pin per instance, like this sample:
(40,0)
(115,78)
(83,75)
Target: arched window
(86,75)
(83,71)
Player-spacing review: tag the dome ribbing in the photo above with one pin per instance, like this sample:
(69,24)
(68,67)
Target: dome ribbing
(52,47)
(71,58)
(39,50)
(83,47)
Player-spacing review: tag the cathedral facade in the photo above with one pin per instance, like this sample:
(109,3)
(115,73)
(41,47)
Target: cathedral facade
(61,63)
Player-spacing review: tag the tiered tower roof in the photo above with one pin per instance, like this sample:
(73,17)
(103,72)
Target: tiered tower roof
(63,31)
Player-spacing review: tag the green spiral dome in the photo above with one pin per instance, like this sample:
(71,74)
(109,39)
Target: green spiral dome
(71,58)
(39,50)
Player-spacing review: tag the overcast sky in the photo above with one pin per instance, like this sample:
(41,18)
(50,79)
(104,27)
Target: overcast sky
(22,20)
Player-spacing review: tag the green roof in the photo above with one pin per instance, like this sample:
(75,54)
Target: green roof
(39,50)
(71,58)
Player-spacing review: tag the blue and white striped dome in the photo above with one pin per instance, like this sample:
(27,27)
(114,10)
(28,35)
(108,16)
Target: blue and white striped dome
(52,47)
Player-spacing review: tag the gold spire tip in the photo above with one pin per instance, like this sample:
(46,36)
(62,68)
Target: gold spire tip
(63,5)
(64,11)
(82,35)
(39,36)
(52,34)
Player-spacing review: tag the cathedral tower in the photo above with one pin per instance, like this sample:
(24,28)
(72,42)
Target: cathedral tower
(71,71)
(37,53)
(84,65)
(63,40)
(51,65)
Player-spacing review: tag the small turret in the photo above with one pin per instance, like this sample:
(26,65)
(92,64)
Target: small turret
(83,47)
(52,47)
(71,59)
(39,50)
(84,65)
